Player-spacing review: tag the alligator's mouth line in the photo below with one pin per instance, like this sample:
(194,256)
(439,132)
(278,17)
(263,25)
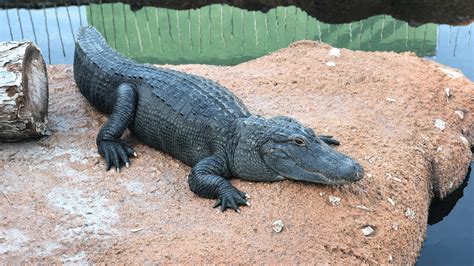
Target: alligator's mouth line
(324,179)
(327,180)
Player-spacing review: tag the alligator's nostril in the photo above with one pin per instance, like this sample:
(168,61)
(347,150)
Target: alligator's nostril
(359,172)
(358,176)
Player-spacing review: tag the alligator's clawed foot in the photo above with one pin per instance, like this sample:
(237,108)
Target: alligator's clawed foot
(329,140)
(115,153)
(231,198)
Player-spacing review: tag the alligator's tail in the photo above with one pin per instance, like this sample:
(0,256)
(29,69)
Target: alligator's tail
(94,64)
(91,42)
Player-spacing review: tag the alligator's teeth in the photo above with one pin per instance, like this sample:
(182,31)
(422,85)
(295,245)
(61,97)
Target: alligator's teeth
(127,165)
(135,154)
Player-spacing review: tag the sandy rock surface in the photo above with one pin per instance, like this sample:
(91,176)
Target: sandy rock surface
(58,204)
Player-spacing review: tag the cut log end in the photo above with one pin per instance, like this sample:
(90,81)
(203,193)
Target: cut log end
(23,91)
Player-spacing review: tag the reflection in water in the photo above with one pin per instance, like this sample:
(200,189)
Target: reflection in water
(52,29)
(416,12)
(220,34)
(455,48)
(441,208)
(225,35)
(451,241)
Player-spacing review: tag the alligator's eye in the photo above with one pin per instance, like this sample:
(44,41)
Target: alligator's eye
(299,141)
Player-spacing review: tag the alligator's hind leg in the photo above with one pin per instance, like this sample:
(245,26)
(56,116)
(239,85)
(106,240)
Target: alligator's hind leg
(111,147)
(206,181)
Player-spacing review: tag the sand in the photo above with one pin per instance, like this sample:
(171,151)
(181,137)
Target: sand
(59,205)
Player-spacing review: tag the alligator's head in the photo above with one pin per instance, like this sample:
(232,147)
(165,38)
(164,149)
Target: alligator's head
(282,148)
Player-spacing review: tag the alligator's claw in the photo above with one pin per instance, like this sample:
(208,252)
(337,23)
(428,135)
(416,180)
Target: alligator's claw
(329,140)
(231,198)
(115,153)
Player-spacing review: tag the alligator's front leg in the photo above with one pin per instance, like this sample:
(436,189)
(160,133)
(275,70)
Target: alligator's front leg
(206,181)
(111,147)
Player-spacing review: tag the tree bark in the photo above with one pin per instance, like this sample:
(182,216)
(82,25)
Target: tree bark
(23,91)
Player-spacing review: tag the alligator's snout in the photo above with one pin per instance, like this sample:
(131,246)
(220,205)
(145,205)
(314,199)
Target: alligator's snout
(354,171)
(340,169)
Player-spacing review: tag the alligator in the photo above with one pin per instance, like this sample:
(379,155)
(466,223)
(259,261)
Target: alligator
(202,124)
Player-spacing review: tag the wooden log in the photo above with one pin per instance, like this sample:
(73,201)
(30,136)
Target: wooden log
(23,91)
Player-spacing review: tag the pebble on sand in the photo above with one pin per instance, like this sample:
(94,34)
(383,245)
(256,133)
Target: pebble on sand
(410,214)
(277,226)
(335,52)
(368,231)
(334,200)
(440,124)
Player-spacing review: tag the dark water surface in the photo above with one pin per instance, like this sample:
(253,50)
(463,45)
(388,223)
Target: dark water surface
(450,232)
(226,35)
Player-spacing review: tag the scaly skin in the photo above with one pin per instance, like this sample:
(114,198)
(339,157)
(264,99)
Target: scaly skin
(200,123)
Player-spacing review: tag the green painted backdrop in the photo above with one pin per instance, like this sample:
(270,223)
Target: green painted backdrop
(225,35)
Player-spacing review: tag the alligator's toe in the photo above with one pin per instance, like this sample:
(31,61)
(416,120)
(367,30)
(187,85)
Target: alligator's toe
(232,199)
(244,195)
(116,154)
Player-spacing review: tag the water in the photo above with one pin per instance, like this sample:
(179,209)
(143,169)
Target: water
(225,35)
(450,232)
(455,48)
(52,29)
